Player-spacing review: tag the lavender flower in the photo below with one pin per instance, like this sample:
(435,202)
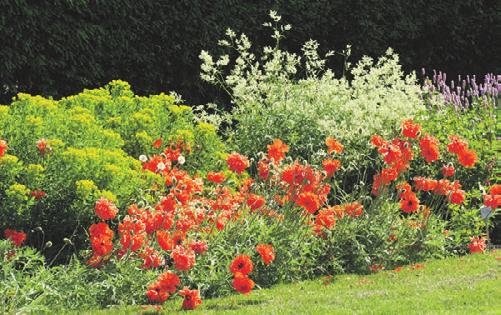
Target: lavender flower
(467,92)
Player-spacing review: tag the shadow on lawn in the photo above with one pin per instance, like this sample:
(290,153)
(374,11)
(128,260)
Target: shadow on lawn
(235,305)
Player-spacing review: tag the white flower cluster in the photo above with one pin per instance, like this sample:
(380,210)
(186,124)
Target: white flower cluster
(297,99)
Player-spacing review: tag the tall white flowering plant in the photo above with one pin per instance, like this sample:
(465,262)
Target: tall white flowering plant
(295,97)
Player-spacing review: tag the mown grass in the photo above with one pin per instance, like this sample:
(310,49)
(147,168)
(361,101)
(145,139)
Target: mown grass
(464,285)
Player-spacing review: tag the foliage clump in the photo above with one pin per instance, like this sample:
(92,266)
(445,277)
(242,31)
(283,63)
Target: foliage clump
(63,154)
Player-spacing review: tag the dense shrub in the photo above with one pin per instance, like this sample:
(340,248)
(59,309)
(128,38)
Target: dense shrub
(57,48)
(85,146)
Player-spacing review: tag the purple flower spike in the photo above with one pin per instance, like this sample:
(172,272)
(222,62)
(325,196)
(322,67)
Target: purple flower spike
(467,92)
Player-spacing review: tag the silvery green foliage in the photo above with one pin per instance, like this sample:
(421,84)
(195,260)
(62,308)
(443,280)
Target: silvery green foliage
(280,94)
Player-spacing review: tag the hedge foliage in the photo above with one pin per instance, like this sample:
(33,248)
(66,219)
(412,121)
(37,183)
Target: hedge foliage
(58,47)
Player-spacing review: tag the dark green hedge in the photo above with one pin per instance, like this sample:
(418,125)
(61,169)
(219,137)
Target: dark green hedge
(58,47)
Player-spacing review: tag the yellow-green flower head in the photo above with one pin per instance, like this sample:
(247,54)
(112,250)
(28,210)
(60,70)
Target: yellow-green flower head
(17,192)
(85,188)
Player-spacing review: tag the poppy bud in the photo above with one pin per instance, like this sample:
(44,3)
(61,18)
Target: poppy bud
(67,241)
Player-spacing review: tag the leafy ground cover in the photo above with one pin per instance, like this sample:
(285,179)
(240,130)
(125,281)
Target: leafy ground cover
(464,285)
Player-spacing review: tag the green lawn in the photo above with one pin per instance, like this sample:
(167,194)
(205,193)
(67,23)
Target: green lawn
(465,285)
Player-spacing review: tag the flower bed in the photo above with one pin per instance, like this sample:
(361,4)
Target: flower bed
(231,231)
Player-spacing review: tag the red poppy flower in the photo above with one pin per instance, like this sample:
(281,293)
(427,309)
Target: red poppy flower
(101,229)
(178,238)
(16,237)
(409,129)
(101,245)
(333,146)
(152,258)
(242,283)
(429,148)
(157,143)
(105,209)
(457,145)
(42,146)
(409,202)
(338,211)
(376,185)
(164,240)
(221,222)
(477,245)
(184,259)
(426,184)
(242,264)
(353,209)
(263,169)
(255,201)
(199,247)
(172,153)
(168,203)
(169,281)
(3,147)
(331,166)
(216,177)
(405,149)
(443,187)
(125,240)
(448,170)
(456,196)
(492,201)
(297,174)
(391,154)
(326,218)
(246,185)
(184,224)
(237,162)
(266,252)
(156,293)
(38,194)
(389,174)
(467,158)
(378,141)
(191,298)
(153,163)
(495,189)
(138,241)
(309,201)
(277,150)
